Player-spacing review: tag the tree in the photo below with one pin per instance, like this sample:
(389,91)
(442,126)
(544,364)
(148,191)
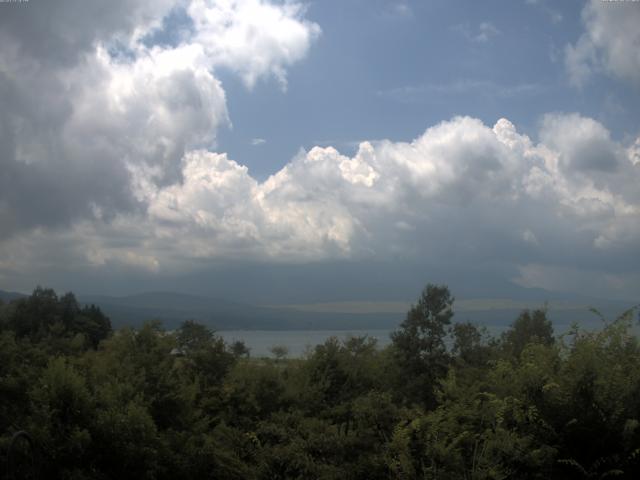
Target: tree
(193,336)
(469,344)
(206,355)
(240,349)
(59,321)
(33,316)
(529,327)
(419,346)
(279,351)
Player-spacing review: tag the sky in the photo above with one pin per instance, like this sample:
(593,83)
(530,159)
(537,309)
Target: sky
(326,150)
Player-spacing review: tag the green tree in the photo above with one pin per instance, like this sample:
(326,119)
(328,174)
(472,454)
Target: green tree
(529,327)
(60,322)
(62,412)
(419,345)
(94,324)
(469,344)
(279,351)
(239,349)
(193,336)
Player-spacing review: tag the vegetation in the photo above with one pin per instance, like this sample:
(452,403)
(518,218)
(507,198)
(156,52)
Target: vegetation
(443,401)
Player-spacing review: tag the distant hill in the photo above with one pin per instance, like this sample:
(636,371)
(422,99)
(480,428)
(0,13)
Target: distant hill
(9,296)
(174,308)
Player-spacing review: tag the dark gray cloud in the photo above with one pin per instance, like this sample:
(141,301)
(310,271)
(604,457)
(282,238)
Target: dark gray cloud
(51,175)
(59,33)
(41,182)
(100,103)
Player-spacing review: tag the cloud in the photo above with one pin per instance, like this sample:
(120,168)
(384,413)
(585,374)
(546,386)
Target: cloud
(96,115)
(61,33)
(108,162)
(462,192)
(610,43)
(397,9)
(258,141)
(530,237)
(554,15)
(402,9)
(634,152)
(584,143)
(253,37)
(482,34)
(485,31)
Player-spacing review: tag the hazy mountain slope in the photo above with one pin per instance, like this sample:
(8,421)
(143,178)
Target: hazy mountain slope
(173,308)
(9,296)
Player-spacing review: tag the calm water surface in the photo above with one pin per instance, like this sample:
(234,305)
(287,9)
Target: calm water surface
(297,341)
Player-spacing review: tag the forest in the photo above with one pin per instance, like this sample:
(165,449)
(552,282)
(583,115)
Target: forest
(444,400)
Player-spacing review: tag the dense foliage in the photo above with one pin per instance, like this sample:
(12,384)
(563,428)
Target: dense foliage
(443,401)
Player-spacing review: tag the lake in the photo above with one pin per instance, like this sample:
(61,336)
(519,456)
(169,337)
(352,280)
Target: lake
(297,341)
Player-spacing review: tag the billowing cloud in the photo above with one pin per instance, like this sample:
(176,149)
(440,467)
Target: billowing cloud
(460,192)
(459,178)
(252,37)
(610,43)
(94,115)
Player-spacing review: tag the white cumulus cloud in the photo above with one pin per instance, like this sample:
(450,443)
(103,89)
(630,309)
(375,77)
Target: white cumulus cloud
(461,191)
(253,37)
(610,43)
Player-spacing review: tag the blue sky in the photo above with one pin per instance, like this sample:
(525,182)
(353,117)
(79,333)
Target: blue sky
(321,150)
(385,69)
